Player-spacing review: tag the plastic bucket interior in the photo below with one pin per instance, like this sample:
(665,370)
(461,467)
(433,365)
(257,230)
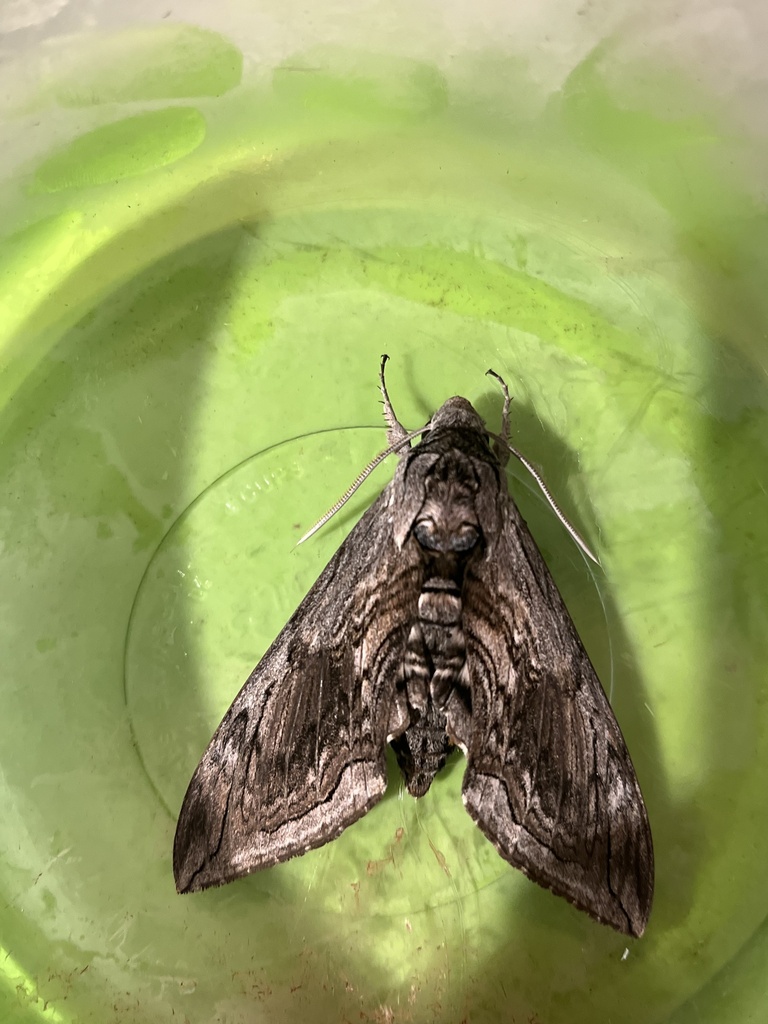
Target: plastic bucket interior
(214,223)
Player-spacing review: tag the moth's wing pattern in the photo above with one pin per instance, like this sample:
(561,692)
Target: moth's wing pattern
(300,754)
(548,779)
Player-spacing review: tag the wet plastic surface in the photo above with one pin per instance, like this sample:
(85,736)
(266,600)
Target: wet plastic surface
(191,382)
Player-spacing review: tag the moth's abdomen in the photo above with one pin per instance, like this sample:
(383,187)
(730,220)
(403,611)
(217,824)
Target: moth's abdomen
(435,679)
(440,602)
(440,621)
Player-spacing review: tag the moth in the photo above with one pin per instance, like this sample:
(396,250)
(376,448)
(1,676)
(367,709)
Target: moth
(436,624)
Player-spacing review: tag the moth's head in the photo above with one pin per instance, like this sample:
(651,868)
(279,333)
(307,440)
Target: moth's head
(456,414)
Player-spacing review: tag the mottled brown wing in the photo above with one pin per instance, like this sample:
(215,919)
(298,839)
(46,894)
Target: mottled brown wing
(300,754)
(549,779)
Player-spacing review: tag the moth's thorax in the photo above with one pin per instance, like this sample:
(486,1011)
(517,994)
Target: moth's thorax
(447,520)
(457,433)
(446,488)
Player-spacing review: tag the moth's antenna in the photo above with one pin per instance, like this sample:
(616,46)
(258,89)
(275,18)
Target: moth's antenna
(502,450)
(395,430)
(360,480)
(397,437)
(555,507)
(503,440)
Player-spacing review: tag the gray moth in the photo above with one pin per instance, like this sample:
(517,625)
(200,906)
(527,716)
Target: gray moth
(435,625)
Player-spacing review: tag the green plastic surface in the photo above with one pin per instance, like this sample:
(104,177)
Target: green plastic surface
(193,303)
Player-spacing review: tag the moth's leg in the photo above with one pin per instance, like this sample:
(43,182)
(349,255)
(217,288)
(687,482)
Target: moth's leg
(396,432)
(502,450)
